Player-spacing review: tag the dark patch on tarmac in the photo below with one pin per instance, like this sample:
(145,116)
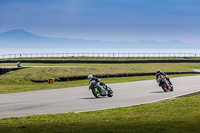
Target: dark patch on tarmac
(189,95)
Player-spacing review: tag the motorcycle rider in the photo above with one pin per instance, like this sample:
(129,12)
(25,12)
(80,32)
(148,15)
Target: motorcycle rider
(19,64)
(162,73)
(93,81)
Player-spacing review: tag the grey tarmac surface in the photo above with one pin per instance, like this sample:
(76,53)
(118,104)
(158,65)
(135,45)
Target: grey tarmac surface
(80,99)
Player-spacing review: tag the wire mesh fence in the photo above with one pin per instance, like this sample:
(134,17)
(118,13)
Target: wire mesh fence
(33,55)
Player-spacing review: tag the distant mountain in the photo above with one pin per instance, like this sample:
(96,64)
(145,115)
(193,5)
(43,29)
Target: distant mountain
(23,39)
(18,33)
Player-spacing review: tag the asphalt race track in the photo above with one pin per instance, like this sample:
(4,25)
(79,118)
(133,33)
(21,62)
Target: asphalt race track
(80,99)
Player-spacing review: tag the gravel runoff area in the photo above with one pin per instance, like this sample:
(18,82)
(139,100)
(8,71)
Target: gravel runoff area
(189,95)
(197,70)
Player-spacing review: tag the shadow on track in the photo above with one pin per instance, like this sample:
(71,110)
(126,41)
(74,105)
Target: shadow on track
(157,92)
(94,97)
(89,98)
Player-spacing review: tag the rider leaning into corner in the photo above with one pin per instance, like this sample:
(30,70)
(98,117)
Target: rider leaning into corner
(162,73)
(19,64)
(93,81)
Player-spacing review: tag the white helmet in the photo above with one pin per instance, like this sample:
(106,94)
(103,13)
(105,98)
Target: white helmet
(158,71)
(90,77)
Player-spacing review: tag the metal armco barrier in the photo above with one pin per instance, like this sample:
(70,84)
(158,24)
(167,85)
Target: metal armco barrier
(74,78)
(33,55)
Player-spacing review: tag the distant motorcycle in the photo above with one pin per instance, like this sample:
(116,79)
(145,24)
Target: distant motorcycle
(19,64)
(164,83)
(97,92)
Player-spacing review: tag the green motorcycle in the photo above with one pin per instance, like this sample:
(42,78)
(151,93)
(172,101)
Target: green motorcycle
(97,91)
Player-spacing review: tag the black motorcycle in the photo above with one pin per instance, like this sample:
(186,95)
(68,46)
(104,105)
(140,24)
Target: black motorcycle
(165,84)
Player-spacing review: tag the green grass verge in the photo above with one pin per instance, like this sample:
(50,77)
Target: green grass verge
(30,86)
(171,116)
(18,86)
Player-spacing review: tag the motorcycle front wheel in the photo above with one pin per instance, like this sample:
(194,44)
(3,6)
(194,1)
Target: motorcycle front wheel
(96,93)
(110,92)
(164,87)
(172,88)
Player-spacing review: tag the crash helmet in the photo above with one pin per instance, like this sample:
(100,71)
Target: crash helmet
(158,70)
(90,77)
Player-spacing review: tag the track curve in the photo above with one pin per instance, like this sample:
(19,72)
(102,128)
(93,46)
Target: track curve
(79,99)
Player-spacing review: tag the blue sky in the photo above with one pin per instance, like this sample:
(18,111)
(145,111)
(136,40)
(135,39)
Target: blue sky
(107,20)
